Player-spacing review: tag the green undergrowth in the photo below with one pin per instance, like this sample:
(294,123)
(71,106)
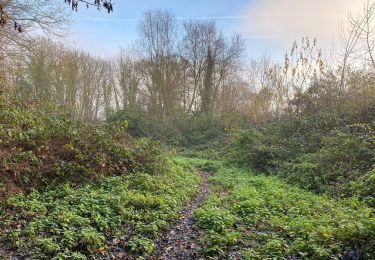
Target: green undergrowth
(79,223)
(261,217)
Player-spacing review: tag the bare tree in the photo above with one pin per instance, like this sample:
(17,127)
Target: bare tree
(20,20)
(198,36)
(23,18)
(159,59)
(211,59)
(357,39)
(129,79)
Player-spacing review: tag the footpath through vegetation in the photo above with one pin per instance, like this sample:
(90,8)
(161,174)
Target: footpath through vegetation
(98,156)
(72,190)
(180,241)
(241,215)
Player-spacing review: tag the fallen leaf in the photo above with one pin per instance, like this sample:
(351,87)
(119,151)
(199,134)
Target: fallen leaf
(102,250)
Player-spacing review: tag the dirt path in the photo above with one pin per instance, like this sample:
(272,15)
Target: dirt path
(179,242)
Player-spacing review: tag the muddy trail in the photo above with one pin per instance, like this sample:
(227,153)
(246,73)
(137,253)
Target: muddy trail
(179,242)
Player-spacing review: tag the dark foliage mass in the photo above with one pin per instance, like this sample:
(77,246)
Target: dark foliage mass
(97,3)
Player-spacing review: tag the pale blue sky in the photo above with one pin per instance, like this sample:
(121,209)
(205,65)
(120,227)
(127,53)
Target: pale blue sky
(267,25)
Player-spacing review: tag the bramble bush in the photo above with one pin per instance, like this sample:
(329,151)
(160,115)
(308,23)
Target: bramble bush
(39,150)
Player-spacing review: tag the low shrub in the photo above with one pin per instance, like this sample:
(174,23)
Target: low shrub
(252,148)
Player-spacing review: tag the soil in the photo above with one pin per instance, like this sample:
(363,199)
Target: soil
(180,241)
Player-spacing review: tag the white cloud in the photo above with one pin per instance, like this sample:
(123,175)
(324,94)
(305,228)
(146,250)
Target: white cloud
(287,20)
